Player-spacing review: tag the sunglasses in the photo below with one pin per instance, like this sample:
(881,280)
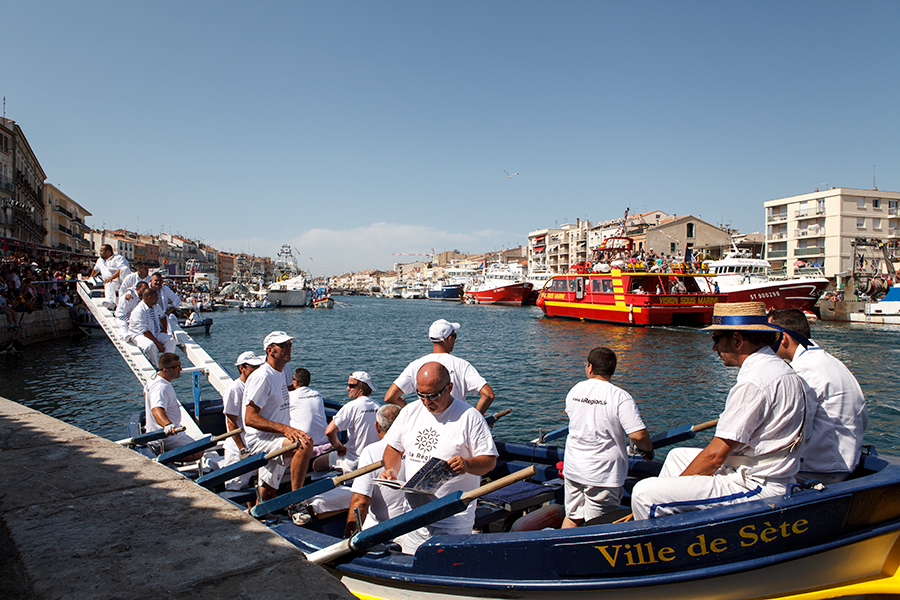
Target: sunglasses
(353,385)
(284,345)
(432,397)
(719,336)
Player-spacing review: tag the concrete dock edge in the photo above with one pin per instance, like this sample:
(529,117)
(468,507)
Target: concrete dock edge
(84,518)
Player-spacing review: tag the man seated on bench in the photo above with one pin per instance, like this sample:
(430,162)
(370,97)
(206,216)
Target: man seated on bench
(145,328)
(161,406)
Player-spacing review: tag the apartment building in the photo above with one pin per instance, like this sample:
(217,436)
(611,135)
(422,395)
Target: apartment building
(22,214)
(555,250)
(65,222)
(818,228)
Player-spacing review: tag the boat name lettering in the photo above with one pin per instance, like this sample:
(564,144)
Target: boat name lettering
(590,401)
(645,553)
(555,295)
(762,295)
(688,299)
(770,533)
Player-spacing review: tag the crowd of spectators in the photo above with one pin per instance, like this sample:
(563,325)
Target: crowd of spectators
(26,286)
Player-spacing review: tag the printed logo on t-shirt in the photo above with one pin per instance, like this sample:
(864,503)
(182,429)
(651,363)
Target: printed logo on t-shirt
(589,401)
(427,440)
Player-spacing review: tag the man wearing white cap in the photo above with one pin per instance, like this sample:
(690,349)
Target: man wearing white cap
(755,453)
(235,447)
(267,414)
(357,418)
(465,378)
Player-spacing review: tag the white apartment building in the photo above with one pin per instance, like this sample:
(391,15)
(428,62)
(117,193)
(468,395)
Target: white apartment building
(818,228)
(65,222)
(558,249)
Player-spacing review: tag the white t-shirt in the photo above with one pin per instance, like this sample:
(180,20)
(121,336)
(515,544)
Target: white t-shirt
(386,502)
(460,430)
(132,279)
(143,318)
(160,394)
(357,418)
(125,306)
(231,405)
(266,389)
(167,299)
(600,417)
(841,415)
(465,378)
(308,414)
(764,412)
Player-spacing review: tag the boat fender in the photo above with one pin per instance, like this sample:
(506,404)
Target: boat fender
(631,313)
(549,515)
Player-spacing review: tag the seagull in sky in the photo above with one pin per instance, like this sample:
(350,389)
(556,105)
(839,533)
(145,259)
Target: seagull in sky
(508,175)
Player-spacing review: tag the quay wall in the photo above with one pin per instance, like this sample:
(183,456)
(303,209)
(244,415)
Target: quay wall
(39,326)
(84,518)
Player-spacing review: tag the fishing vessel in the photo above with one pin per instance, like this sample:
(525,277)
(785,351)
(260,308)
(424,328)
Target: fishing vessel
(321,298)
(746,279)
(885,311)
(292,285)
(500,283)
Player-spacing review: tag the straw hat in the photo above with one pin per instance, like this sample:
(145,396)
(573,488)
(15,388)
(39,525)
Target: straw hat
(740,316)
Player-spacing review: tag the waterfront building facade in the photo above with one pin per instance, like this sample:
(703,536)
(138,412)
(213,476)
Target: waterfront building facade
(66,228)
(819,228)
(22,214)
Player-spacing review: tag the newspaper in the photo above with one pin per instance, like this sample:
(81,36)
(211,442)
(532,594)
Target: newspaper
(433,474)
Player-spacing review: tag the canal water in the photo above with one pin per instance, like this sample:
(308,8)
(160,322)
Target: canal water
(529,361)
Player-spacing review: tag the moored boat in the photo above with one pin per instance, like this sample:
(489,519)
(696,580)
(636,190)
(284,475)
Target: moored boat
(746,279)
(885,311)
(498,284)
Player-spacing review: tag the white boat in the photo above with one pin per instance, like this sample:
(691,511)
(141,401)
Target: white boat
(747,279)
(881,312)
(537,278)
(415,290)
(292,285)
(398,288)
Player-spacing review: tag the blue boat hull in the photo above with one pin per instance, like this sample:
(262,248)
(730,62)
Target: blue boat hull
(445,293)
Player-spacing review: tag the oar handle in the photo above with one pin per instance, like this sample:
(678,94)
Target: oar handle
(227,434)
(706,425)
(496,416)
(282,450)
(361,471)
(499,483)
(146,437)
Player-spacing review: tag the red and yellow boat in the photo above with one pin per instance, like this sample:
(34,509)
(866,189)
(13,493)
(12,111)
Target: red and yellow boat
(630,297)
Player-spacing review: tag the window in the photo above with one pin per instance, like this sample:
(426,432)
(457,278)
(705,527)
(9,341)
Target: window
(820,206)
(672,246)
(860,223)
(861,203)
(876,202)
(690,230)
(876,223)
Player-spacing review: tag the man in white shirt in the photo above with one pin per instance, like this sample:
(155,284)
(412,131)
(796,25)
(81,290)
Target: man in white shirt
(755,453)
(145,330)
(466,379)
(832,450)
(443,427)
(161,407)
(141,273)
(357,418)
(167,300)
(602,417)
(308,411)
(266,407)
(128,299)
(113,269)
(376,503)
(235,447)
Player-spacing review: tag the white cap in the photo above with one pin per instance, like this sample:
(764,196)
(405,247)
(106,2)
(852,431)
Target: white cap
(249,358)
(276,337)
(363,377)
(441,329)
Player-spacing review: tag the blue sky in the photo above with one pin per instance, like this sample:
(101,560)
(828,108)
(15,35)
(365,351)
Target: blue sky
(356,130)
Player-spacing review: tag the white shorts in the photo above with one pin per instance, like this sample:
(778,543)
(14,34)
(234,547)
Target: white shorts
(233,455)
(272,472)
(345,463)
(586,502)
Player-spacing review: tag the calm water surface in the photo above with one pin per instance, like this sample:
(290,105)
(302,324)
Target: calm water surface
(531,362)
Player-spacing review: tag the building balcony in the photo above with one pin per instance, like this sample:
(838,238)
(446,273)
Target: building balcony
(815,251)
(777,236)
(892,211)
(801,213)
(62,210)
(776,254)
(819,232)
(775,218)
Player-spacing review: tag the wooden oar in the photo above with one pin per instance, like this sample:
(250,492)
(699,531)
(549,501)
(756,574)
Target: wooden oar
(251,463)
(551,435)
(194,447)
(680,434)
(147,437)
(431,512)
(313,489)
(494,417)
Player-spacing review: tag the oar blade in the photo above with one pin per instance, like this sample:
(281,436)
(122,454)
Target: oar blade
(186,450)
(293,497)
(672,436)
(214,478)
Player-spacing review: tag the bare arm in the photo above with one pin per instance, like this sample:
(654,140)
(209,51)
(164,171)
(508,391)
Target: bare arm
(394,395)
(231,425)
(641,439)
(477,465)
(391,460)
(331,432)
(161,417)
(253,419)
(486,397)
(711,458)
(362,503)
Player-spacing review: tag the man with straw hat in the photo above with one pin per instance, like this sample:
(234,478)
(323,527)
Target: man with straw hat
(755,451)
